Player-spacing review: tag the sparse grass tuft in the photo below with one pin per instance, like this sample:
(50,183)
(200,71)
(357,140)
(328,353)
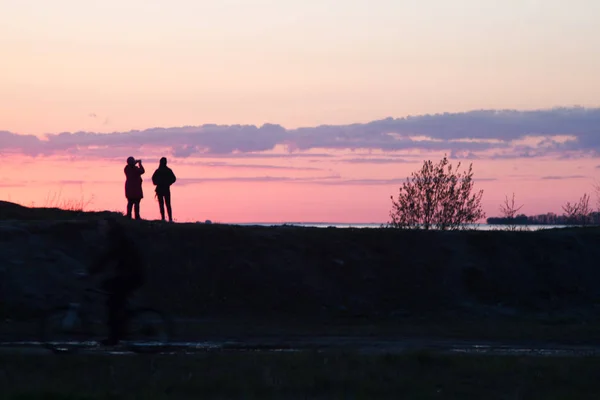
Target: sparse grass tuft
(55,200)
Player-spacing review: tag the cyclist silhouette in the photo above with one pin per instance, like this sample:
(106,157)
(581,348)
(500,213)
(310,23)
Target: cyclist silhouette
(126,276)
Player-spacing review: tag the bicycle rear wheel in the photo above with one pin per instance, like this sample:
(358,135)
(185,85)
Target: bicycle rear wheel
(63,329)
(149,330)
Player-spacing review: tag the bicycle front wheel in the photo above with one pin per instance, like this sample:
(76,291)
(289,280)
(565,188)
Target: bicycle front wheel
(63,329)
(149,330)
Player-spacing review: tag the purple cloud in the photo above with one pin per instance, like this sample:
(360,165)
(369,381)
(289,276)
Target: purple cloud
(25,144)
(474,134)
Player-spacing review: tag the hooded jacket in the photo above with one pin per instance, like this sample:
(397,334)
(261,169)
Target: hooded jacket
(133,182)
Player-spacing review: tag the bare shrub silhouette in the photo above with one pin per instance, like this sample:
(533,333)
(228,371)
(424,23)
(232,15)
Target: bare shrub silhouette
(438,197)
(509,210)
(580,212)
(597,194)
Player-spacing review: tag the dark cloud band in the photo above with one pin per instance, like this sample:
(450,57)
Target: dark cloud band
(461,134)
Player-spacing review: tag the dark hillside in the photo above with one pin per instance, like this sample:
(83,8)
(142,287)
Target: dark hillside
(200,270)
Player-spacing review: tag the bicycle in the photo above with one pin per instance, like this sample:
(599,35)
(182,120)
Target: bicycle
(76,328)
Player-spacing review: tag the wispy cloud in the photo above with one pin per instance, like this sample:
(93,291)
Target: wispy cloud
(266,155)
(375,182)
(82,182)
(564,177)
(374,160)
(315,179)
(327,180)
(363,182)
(224,164)
(9,184)
(474,134)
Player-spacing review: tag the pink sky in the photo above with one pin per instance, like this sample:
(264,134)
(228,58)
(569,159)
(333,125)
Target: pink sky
(83,85)
(300,181)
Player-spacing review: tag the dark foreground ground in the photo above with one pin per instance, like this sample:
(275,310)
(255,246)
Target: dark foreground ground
(510,330)
(227,271)
(252,280)
(264,284)
(259,375)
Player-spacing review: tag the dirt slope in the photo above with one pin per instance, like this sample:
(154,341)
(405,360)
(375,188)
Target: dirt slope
(204,270)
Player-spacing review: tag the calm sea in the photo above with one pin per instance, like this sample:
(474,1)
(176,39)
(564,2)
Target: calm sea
(484,227)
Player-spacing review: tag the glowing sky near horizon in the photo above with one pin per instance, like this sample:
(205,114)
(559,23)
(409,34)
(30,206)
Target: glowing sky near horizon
(116,66)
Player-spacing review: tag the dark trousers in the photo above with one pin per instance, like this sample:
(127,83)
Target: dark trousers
(120,290)
(162,199)
(135,204)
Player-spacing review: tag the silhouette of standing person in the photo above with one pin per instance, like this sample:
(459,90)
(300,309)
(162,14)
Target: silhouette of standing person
(133,186)
(163,178)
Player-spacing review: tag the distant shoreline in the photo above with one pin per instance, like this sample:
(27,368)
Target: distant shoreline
(485,227)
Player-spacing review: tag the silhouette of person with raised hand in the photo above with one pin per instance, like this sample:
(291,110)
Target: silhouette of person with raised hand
(133,186)
(163,178)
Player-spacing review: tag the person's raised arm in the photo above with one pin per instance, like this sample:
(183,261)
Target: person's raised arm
(141,167)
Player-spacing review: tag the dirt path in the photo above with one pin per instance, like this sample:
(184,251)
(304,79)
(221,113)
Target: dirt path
(194,336)
(331,343)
